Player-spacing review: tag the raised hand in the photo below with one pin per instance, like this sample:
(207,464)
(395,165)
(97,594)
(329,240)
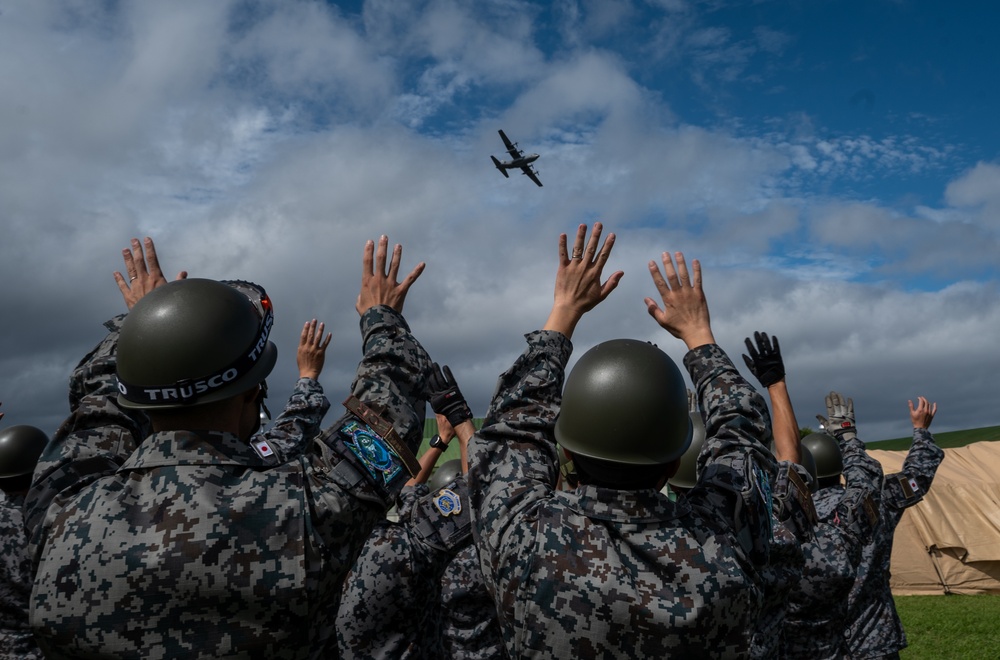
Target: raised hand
(765,361)
(685,310)
(311,354)
(445,397)
(922,415)
(143,270)
(578,287)
(839,420)
(378,286)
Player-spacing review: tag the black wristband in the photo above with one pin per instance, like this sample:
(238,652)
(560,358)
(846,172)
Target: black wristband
(437,443)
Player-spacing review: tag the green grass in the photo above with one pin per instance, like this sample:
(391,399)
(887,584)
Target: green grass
(949,439)
(946,627)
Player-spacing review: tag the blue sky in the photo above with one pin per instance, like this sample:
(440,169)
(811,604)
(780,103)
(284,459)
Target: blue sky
(834,165)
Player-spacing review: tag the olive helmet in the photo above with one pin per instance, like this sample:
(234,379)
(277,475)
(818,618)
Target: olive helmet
(20,447)
(444,474)
(825,452)
(194,341)
(625,402)
(687,474)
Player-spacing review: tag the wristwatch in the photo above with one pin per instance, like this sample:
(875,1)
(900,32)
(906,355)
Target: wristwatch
(437,443)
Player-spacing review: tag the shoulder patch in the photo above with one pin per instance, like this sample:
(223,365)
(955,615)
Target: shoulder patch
(871,512)
(378,457)
(447,502)
(263,448)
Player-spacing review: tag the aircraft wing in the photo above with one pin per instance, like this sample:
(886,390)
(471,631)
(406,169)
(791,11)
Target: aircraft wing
(532,174)
(511,147)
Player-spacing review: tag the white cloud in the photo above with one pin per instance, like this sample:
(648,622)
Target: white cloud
(978,190)
(270,150)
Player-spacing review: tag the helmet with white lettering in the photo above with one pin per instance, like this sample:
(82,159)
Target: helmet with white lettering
(194,341)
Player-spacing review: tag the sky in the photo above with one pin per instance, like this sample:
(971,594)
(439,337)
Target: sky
(835,167)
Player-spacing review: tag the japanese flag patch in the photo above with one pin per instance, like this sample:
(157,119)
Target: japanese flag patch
(263,448)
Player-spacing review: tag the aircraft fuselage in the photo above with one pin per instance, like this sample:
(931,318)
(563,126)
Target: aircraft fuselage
(519,162)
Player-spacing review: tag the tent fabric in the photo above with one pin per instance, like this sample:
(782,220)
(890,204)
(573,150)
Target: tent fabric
(949,543)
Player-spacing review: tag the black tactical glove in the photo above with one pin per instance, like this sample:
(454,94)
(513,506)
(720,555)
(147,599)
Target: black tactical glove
(839,420)
(765,361)
(445,397)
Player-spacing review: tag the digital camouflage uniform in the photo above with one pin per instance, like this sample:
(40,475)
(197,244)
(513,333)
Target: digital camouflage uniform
(391,603)
(470,628)
(875,629)
(16,640)
(817,610)
(792,525)
(198,544)
(598,572)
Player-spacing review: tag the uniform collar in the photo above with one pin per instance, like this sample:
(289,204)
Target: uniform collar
(635,506)
(168,448)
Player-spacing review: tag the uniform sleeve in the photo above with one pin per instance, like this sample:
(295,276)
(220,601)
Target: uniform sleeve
(16,639)
(94,441)
(392,380)
(858,511)
(300,421)
(734,466)
(513,463)
(392,374)
(909,485)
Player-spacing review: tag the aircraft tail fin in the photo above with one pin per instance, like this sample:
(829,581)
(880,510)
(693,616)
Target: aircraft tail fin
(500,167)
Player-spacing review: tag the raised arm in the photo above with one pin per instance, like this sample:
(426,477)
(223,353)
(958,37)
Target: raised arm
(99,434)
(300,421)
(454,416)
(390,387)
(768,367)
(862,473)
(908,486)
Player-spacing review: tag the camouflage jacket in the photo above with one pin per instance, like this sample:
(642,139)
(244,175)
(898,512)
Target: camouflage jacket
(875,629)
(198,544)
(597,572)
(470,629)
(16,640)
(792,524)
(817,608)
(391,603)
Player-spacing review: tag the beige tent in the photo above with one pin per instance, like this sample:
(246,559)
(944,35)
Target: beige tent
(950,541)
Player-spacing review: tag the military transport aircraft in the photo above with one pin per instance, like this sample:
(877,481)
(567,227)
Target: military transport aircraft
(519,160)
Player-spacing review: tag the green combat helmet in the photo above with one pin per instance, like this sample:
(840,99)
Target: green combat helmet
(445,473)
(687,474)
(825,452)
(194,341)
(625,402)
(20,447)
(806,460)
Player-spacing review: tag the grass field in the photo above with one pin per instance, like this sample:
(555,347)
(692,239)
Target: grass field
(947,627)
